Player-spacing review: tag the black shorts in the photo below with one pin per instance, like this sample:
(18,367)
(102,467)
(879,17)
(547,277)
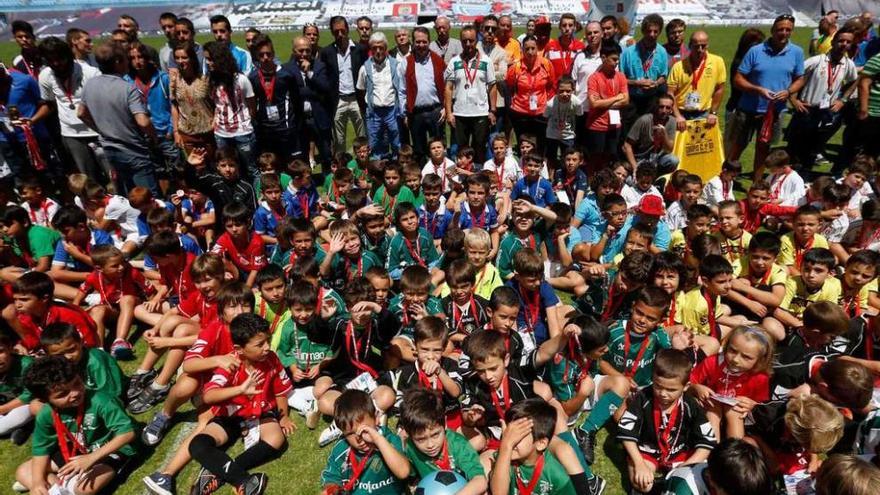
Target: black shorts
(234,426)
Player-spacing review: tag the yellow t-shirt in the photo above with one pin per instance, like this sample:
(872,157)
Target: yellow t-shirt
(778,275)
(787,252)
(681,77)
(861,298)
(734,249)
(678,243)
(692,311)
(797,298)
(487,281)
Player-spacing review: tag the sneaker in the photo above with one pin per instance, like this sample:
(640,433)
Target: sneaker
(255,485)
(313,416)
(329,435)
(587,442)
(17,487)
(147,399)
(206,483)
(155,431)
(121,350)
(138,382)
(596,484)
(160,484)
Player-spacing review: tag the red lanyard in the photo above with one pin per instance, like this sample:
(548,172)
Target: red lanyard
(268,88)
(68,91)
(631,372)
(499,173)
(764,279)
(505,389)
(799,253)
(77,441)
(725,189)
(320,303)
(415,251)
(444,462)
(143,88)
(264,307)
(532,307)
(522,489)
(777,188)
(851,305)
(357,468)
(431,225)
(664,434)
(646,65)
(104,295)
(832,75)
(304,203)
(457,319)
(428,382)
(360,268)
(710,305)
(480,220)
(468,75)
(352,341)
(389,198)
(875,236)
(442,174)
(698,74)
(574,356)
(733,254)
(614,301)
(671,319)
(43,206)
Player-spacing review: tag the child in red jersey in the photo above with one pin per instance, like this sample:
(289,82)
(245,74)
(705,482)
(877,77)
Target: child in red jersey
(757,206)
(35,309)
(243,249)
(730,384)
(175,332)
(119,287)
(175,283)
(212,350)
(249,401)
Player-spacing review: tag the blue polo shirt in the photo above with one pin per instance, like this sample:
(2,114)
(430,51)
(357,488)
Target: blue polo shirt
(24,93)
(768,69)
(614,246)
(541,191)
(634,60)
(158,102)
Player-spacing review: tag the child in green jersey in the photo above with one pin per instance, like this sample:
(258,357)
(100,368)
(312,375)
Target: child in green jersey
(392,192)
(100,370)
(346,258)
(412,245)
(527,230)
(14,412)
(368,460)
(431,446)
(526,463)
(360,164)
(412,304)
(81,437)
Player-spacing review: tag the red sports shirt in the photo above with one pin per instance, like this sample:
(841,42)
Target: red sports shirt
(196,305)
(275,382)
(131,283)
(712,372)
(58,312)
(252,258)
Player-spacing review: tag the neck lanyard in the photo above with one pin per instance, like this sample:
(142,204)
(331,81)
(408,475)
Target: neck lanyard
(268,87)
(528,241)
(671,319)
(303,199)
(532,307)
(351,341)
(575,356)
(799,252)
(468,75)
(264,310)
(522,488)
(725,188)
(360,268)
(390,199)
(505,390)
(777,188)
(647,63)
(43,206)
(357,468)
(698,74)
(643,347)
(832,75)
(738,250)
(444,462)
(441,173)
(415,251)
(613,303)
(104,296)
(427,381)
(76,441)
(297,348)
(457,319)
(875,236)
(851,305)
(431,225)
(479,279)
(710,305)
(763,281)
(144,88)
(664,434)
(499,173)
(480,220)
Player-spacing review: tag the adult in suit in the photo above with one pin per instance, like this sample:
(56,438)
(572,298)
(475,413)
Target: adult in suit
(343,60)
(311,75)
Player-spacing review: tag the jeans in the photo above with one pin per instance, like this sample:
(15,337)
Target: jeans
(382,131)
(132,169)
(83,152)
(473,132)
(246,149)
(424,125)
(347,110)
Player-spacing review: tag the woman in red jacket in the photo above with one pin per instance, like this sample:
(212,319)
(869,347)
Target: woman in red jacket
(531,82)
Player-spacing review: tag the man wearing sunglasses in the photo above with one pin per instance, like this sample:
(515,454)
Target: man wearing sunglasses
(769,73)
(498,56)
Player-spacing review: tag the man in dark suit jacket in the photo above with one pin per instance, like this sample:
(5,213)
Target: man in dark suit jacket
(311,75)
(343,60)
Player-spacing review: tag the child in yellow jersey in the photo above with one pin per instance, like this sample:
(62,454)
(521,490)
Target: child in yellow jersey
(699,221)
(700,310)
(760,284)
(861,270)
(804,237)
(478,248)
(814,284)
(669,273)
(733,238)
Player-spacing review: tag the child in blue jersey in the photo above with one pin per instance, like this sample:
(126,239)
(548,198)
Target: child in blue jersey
(433,215)
(561,244)
(476,212)
(271,212)
(539,317)
(71,263)
(532,184)
(301,197)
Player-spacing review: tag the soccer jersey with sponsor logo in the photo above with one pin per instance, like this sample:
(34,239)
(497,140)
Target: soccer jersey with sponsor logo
(798,296)
(252,257)
(376,479)
(298,347)
(409,376)
(463,459)
(465,319)
(627,359)
(103,419)
(275,383)
(553,479)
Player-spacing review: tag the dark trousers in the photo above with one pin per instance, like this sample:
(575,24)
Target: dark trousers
(808,132)
(529,124)
(423,125)
(473,132)
(602,146)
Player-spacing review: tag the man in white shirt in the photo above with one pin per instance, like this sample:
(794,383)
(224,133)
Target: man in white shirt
(470,83)
(378,85)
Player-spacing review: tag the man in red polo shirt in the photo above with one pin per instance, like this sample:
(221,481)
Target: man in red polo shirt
(562,50)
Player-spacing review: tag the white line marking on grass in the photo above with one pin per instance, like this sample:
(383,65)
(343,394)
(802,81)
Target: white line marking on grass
(184,432)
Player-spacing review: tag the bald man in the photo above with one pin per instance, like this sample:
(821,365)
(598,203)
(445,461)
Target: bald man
(311,75)
(696,83)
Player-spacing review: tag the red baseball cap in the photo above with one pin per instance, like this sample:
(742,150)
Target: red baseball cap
(651,204)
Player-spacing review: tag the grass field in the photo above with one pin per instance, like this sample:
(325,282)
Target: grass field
(298,471)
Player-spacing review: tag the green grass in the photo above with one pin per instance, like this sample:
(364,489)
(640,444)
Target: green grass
(298,471)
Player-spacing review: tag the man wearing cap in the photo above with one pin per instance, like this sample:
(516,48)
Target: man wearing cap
(470,83)
(562,50)
(445,46)
(542,34)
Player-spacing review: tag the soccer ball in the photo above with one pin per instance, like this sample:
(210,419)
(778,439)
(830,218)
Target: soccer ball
(441,483)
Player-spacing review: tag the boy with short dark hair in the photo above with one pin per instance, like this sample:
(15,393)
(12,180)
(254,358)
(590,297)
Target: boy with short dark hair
(815,283)
(689,190)
(539,318)
(392,191)
(175,282)
(71,263)
(662,427)
(63,439)
(271,211)
(99,370)
(269,302)
(528,228)
(15,414)
(700,310)
(413,303)
(857,282)
(801,239)
(412,245)
(760,284)
(433,215)
(720,187)
(733,238)
(476,212)
(243,249)
(464,310)
(532,184)
(301,197)
(611,296)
